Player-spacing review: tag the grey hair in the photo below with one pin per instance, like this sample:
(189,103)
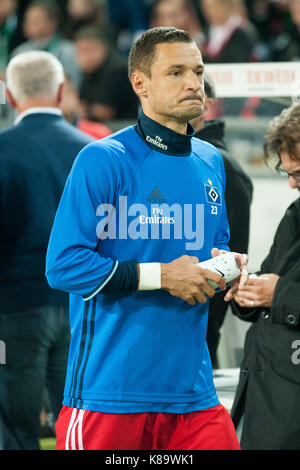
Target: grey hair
(34,74)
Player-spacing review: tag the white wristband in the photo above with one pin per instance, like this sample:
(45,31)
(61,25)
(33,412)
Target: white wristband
(150,276)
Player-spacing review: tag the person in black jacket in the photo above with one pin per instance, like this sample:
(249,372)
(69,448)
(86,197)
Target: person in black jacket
(105,91)
(286,47)
(230,37)
(238,196)
(36,156)
(266,404)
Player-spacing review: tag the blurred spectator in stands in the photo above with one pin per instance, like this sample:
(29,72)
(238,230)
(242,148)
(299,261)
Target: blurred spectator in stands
(8,27)
(269,18)
(10,37)
(228,38)
(41,28)
(179,14)
(238,197)
(70,106)
(287,44)
(128,19)
(82,13)
(240,10)
(105,91)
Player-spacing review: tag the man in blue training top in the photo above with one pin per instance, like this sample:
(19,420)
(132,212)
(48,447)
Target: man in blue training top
(140,209)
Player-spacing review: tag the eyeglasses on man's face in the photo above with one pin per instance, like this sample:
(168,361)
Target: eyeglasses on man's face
(295,174)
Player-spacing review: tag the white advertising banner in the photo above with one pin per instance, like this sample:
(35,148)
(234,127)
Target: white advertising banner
(265,79)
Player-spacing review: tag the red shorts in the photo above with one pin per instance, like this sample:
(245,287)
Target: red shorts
(210,429)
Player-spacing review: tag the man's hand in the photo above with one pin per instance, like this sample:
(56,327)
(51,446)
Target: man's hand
(241,281)
(184,279)
(258,292)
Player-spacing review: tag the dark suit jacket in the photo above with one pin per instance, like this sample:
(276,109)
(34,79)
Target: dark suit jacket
(268,392)
(36,156)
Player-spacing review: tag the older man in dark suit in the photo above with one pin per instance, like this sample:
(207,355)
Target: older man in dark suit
(36,155)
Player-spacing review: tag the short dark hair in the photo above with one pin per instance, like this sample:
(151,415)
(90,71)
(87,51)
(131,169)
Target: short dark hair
(282,135)
(142,53)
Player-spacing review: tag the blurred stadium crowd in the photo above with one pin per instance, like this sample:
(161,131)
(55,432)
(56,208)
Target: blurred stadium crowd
(92,39)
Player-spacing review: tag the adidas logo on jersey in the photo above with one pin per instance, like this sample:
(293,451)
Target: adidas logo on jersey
(156,196)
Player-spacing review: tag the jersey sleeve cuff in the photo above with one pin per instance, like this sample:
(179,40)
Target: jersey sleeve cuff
(100,287)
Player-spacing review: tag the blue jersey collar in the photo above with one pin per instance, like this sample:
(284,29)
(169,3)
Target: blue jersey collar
(162,139)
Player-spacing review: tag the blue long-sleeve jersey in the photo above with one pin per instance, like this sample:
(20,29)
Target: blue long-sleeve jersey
(150,195)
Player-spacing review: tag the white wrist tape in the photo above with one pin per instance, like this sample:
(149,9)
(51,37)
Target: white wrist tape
(150,276)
